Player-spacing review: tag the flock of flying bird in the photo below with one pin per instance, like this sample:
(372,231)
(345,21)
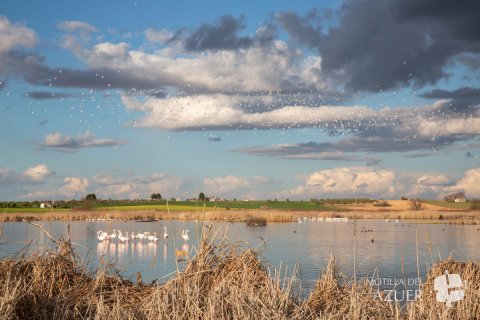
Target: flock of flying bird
(126,237)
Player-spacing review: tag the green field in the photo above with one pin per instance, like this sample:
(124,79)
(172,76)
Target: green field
(140,207)
(32,210)
(193,205)
(185,206)
(452,205)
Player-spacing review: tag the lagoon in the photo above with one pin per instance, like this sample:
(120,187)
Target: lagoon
(389,248)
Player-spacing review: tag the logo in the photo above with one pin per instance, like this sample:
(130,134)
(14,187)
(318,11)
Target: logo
(395,289)
(449,288)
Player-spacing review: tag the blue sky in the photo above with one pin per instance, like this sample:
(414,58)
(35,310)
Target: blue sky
(239,99)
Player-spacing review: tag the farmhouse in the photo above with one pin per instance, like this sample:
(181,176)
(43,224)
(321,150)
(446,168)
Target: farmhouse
(44,205)
(456,197)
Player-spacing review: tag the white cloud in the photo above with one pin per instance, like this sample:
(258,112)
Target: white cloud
(15,35)
(230,185)
(112,187)
(267,68)
(74,187)
(38,173)
(433,180)
(469,183)
(106,186)
(65,143)
(158,36)
(222,111)
(73,25)
(33,175)
(446,127)
(346,182)
(110,53)
(429,185)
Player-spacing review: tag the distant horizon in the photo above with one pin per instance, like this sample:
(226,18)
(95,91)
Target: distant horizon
(175,199)
(277,99)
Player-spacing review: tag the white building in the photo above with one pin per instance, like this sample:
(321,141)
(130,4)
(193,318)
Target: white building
(44,205)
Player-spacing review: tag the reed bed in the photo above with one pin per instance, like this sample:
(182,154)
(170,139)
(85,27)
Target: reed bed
(222,281)
(242,215)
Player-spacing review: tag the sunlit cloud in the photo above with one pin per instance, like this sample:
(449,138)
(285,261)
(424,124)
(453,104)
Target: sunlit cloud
(64,143)
(15,35)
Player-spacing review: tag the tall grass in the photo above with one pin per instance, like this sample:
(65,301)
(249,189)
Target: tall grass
(222,281)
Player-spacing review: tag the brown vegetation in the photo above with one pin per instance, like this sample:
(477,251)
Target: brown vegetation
(256,221)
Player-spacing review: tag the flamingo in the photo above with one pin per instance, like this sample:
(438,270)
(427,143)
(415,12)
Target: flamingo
(140,235)
(153,237)
(185,235)
(165,234)
(114,234)
(102,235)
(123,238)
(133,236)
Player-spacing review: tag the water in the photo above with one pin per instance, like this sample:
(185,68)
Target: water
(307,245)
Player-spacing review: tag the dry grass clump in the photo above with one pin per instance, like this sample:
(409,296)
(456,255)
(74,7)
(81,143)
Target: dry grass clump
(336,298)
(223,282)
(469,308)
(54,285)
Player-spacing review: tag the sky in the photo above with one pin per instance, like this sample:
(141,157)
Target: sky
(239,99)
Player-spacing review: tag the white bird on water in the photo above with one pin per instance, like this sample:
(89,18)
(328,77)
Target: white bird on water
(102,236)
(153,237)
(185,235)
(123,238)
(140,236)
(165,234)
(114,234)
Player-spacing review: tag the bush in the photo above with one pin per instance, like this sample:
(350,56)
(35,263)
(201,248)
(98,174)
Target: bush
(417,204)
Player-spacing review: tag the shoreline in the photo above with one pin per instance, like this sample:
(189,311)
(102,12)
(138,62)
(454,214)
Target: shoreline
(241,215)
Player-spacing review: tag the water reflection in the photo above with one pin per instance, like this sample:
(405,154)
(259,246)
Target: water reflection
(308,243)
(129,250)
(165,253)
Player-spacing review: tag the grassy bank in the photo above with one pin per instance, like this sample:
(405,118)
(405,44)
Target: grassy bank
(222,281)
(451,205)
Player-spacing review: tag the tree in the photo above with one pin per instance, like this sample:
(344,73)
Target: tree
(201,196)
(417,204)
(91,197)
(156,196)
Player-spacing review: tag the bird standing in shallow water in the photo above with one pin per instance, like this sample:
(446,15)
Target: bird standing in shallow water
(185,235)
(153,237)
(165,234)
(102,236)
